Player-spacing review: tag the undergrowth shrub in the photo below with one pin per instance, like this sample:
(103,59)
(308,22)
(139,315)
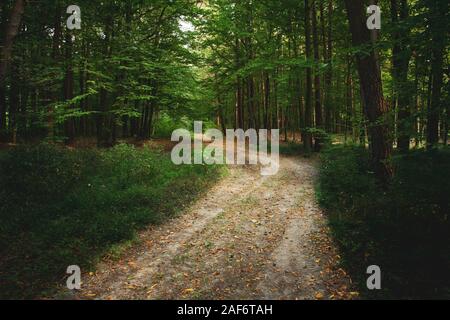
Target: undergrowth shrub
(62,207)
(404,229)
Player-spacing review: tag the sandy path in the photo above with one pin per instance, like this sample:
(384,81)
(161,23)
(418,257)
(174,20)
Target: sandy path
(250,237)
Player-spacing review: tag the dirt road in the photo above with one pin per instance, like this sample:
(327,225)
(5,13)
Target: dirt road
(250,237)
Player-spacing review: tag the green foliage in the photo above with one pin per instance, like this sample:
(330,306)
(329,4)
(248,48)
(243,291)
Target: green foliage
(167,124)
(63,207)
(404,229)
(128,57)
(319,134)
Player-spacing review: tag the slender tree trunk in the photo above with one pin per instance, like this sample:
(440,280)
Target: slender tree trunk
(4,18)
(276,123)
(221,115)
(145,128)
(266,99)
(24,98)
(348,99)
(83,80)
(329,72)
(401,55)
(446,114)
(103,126)
(370,78)
(297,87)
(239,105)
(428,98)
(437,27)
(134,123)
(49,94)
(251,103)
(239,92)
(69,87)
(2,111)
(149,114)
(307,137)
(317,85)
(416,102)
(14,100)
(10,33)
(12,30)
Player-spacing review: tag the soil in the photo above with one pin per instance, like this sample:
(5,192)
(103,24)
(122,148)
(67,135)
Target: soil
(250,237)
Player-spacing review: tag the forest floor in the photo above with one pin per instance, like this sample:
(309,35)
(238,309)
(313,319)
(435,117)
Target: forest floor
(249,237)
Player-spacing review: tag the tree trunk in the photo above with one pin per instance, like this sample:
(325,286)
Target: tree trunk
(2,111)
(14,100)
(370,78)
(251,103)
(11,31)
(266,100)
(317,87)
(348,100)
(103,118)
(437,27)
(49,94)
(239,92)
(329,72)
(401,55)
(307,137)
(68,88)
(3,21)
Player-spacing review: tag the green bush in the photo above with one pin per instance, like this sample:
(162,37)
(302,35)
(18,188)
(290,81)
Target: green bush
(42,173)
(404,229)
(62,207)
(167,124)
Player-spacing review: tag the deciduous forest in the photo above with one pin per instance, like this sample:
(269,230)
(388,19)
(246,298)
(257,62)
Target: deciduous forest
(90,96)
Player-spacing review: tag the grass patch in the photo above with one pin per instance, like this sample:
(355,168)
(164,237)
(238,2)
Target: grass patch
(405,229)
(63,207)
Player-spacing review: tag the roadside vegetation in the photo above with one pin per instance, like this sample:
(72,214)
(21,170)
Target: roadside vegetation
(64,207)
(403,228)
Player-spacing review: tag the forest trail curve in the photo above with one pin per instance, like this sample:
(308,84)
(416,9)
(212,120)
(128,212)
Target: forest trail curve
(249,237)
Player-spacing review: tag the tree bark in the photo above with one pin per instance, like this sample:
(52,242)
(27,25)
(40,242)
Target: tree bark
(348,99)
(11,31)
(401,56)
(103,118)
(329,72)
(266,100)
(371,83)
(69,87)
(14,101)
(317,85)
(239,92)
(437,27)
(307,137)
